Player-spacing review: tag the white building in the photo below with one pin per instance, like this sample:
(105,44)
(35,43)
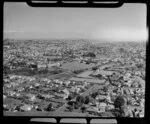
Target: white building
(102,107)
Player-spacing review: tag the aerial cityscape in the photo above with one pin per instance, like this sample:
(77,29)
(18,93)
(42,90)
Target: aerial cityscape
(73,78)
(87,62)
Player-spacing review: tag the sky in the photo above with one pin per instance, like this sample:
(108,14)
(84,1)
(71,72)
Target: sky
(126,23)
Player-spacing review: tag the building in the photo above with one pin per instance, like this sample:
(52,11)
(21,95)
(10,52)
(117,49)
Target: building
(102,107)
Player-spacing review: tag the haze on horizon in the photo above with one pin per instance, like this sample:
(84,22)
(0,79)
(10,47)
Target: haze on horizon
(127,23)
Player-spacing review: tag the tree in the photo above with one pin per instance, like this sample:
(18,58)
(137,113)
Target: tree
(94,68)
(70,108)
(71,103)
(89,54)
(94,94)
(105,89)
(80,99)
(76,106)
(49,107)
(48,60)
(117,113)
(83,109)
(122,50)
(140,85)
(69,97)
(87,100)
(119,102)
(129,102)
(139,65)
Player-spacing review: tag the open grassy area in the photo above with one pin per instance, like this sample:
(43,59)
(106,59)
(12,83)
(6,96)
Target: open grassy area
(72,66)
(88,80)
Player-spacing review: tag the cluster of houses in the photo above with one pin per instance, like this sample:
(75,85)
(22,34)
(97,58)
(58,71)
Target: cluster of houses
(31,89)
(128,79)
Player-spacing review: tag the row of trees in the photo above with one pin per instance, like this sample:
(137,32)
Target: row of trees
(79,103)
(89,54)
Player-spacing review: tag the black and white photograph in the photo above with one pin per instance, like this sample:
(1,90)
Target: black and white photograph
(74,62)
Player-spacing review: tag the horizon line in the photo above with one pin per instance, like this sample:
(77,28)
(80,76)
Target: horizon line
(96,40)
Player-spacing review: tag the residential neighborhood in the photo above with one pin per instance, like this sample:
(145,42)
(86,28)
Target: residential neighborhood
(73,77)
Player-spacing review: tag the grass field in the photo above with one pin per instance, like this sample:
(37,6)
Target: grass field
(76,66)
(88,80)
(85,74)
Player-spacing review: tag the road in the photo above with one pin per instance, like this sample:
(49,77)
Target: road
(95,87)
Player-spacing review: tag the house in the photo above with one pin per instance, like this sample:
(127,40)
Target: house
(33,66)
(129,82)
(92,110)
(100,97)
(7,85)
(56,81)
(26,107)
(12,77)
(102,107)
(108,99)
(48,96)
(41,66)
(32,79)
(85,83)
(20,89)
(139,90)
(11,93)
(131,91)
(6,80)
(33,98)
(128,112)
(60,82)
(126,91)
(65,96)
(66,91)
(110,106)
(54,64)
(67,83)
(4,96)
(17,94)
(142,102)
(36,85)
(120,90)
(81,86)
(141,113)
(31,87)
(61,95)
